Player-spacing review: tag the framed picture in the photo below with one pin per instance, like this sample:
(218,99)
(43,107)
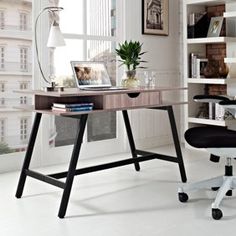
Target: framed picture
(215,26)
(155,17)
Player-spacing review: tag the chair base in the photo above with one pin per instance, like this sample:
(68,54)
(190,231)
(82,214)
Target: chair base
(225,183)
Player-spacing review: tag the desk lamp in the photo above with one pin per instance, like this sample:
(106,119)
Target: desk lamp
(55,39)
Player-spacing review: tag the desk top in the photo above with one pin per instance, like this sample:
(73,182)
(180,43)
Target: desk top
(69,92)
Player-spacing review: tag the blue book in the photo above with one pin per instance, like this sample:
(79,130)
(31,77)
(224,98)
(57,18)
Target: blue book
(83,108)
(87,108)
(72,105)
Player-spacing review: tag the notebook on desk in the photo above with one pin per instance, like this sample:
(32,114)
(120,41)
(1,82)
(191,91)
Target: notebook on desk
(92,75)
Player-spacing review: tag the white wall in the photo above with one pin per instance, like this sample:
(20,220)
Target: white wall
(162,50)
(151,128)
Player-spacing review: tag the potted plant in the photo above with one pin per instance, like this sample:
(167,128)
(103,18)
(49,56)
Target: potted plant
(130,55)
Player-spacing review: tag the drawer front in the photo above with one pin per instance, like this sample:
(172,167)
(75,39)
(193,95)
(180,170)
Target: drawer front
(127,101)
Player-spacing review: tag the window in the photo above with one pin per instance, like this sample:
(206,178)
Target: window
(23,85)
(2,58)
(2,101)
(23,21)
(23,100)
(93,38)
(2,87)
(2,130)
(23,129)
(2,19)
(24,59)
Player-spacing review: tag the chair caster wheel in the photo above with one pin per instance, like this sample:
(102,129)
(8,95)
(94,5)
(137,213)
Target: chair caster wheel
(215,188)
(183,197)
(216,214)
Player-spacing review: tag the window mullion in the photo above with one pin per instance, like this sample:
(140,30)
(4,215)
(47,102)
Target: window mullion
(85,31)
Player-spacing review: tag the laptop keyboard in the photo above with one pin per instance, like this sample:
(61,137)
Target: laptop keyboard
(103,88)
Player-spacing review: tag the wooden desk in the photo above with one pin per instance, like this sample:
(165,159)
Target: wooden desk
(104,101)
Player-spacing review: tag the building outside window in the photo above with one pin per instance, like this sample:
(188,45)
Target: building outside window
(23,21)
(2,19)
(2,58)
(15,61)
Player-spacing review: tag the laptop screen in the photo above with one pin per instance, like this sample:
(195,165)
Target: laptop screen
(90,74)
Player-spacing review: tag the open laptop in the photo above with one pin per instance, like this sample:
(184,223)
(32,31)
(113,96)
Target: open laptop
(92,75)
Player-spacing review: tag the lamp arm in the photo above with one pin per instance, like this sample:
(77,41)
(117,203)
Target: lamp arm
(50,9)
(36,45)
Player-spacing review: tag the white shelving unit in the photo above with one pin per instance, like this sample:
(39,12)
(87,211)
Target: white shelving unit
(198,45)
(230,60)
(206,121)
(230,14)
(211,40)
(207,81)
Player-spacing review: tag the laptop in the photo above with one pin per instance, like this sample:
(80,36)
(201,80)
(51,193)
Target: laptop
(92,75)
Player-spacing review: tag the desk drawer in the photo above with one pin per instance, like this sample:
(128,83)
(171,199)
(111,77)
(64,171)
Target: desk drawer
(131,100)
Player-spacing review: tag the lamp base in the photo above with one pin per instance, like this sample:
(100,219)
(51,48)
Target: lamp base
(54,88)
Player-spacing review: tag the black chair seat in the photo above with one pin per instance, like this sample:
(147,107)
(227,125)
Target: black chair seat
(210,136)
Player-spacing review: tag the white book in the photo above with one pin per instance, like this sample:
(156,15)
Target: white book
(219,112)
(200,64)
(193,65)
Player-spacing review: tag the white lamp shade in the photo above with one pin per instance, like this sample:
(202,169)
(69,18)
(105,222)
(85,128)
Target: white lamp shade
(55,38)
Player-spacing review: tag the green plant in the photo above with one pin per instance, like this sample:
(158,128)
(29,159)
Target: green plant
(130,54)
(4,148)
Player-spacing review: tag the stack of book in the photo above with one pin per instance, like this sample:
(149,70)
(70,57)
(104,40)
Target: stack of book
(197,65)
(70,107)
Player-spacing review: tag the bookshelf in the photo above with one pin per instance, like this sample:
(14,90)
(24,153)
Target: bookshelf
(225,44)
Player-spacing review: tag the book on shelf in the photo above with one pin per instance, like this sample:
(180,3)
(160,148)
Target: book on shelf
(197,65)
(72,105)
(219,112)
(200,65)
(198,24)
(193,62)
(72,109)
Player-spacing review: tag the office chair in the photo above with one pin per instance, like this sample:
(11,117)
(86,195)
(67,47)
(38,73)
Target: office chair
(220,142)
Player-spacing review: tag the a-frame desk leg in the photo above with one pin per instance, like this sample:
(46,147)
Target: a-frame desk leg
(72,167)
(180,162)
(130,138)
(28,155)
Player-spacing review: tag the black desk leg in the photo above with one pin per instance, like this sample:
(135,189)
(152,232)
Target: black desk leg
(72,167)
(28,154)
(176,142)
(131,139)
